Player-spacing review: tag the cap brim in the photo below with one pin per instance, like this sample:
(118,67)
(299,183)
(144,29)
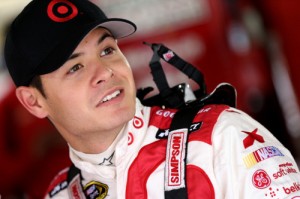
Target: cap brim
(119,28)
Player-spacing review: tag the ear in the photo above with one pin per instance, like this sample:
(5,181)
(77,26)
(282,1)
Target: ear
(31,100)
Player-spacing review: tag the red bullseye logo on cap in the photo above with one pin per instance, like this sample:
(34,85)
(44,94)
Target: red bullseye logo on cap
(61,10)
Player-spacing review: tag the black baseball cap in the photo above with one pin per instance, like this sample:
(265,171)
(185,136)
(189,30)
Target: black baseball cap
(46,32)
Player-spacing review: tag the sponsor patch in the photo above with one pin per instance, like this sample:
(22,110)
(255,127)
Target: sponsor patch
(283,191)
(108,161)
(59,183)
(175,160)
(163,133)
(252,136)
(61,10)
(58,188)
(130,138)
(291,189)
(271,193)
(165,113)
(261,154)
(161,118)
(261,179)
(168,55)
(284,170)
(138,122)
(204,110)
(95,190)
(75,189)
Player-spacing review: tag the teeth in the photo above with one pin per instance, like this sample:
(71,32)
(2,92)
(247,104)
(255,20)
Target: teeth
(109,97)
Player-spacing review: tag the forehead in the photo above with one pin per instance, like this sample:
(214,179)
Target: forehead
(98,31)
(94,38)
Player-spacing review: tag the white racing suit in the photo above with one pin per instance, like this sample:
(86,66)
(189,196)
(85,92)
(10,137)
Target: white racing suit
(229,155)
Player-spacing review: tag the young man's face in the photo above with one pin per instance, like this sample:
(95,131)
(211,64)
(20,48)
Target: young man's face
(93,91)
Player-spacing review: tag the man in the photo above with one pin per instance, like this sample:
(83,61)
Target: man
(64,59)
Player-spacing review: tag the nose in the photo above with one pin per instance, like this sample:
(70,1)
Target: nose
(102,75)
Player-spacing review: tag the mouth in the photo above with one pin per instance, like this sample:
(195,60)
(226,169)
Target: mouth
(111,96)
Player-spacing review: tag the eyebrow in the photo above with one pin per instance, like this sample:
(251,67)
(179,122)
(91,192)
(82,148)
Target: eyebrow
(100,40)
(104,36)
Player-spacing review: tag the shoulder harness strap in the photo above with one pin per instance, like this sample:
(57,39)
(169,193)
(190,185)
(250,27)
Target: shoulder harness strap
(175,169)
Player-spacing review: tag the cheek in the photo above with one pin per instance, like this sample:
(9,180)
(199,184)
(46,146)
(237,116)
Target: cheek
(64,102)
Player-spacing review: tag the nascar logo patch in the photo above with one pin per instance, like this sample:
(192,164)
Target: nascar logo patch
(261,154)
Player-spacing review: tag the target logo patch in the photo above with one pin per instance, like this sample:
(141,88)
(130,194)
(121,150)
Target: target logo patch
(130,138)
(61,10)
(138,122)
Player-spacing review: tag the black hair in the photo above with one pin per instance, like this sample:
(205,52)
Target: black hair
(37,83)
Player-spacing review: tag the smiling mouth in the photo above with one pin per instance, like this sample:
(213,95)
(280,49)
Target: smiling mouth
(111,96)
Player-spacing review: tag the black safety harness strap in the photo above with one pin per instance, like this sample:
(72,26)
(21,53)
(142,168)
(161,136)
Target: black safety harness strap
(188,69)
(157,71)
(175,182)
(171,98)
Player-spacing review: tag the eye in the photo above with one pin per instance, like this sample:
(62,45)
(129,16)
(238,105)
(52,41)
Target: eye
(75,68)
(107,51)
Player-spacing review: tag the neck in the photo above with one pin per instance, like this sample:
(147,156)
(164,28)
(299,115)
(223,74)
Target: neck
(94,143)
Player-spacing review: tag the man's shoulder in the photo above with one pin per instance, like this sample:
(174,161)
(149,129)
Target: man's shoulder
(59,182)
(206,116)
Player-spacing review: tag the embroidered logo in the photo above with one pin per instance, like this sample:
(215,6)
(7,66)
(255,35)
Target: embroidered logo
(75,189)
(61,10)
(108,161)
(168,55)
(59,183)
(137,122)
(175,159)
(260,155)
(284,170)
(271,193)
(163,133)
(58,188)
(252,136)
(261,179)
(95,190)
(130,138)
(291,189)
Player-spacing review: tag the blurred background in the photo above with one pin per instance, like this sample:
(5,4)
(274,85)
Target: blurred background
(251,44)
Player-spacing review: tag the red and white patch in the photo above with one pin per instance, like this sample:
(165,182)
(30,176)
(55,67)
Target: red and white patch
(284,170)
(175,159)
(261,179)
(138,122)
(75,189)
(161,118)
(130,138)
(272,192)
(252,136)
(260,155)
(168,55)
(295,187)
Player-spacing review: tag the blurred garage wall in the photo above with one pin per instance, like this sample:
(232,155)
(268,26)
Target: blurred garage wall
(251,44)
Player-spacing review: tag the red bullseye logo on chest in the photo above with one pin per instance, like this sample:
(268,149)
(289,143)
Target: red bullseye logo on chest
(61,10)
(138,122)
